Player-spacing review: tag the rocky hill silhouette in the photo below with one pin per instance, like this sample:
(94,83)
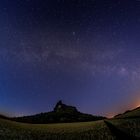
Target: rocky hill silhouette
(61,113)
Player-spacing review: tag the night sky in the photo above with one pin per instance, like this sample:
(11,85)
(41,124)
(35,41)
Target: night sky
(84,52)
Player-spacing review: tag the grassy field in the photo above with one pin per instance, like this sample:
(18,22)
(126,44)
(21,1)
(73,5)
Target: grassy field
(99,130)
(70,131)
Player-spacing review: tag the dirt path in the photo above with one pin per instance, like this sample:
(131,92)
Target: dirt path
(120,135)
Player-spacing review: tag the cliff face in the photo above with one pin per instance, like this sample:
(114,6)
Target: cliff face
(60,107)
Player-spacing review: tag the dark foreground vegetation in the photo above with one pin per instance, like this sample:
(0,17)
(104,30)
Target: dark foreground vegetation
(115,129)
(123,127)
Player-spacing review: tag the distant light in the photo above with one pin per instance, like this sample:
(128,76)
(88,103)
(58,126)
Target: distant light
(110,116)
(138,105)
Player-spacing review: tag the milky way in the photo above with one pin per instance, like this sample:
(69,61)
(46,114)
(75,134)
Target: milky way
(83,52)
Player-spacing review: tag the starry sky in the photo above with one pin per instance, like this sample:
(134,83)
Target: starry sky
(84,52)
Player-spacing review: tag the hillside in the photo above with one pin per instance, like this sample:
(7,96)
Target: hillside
(130,113)
(61,113)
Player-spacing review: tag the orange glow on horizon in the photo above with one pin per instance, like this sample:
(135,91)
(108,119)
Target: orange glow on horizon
(135,101)
(138,105)
(110,115)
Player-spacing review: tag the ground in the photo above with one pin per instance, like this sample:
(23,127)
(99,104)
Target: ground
(109,129)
